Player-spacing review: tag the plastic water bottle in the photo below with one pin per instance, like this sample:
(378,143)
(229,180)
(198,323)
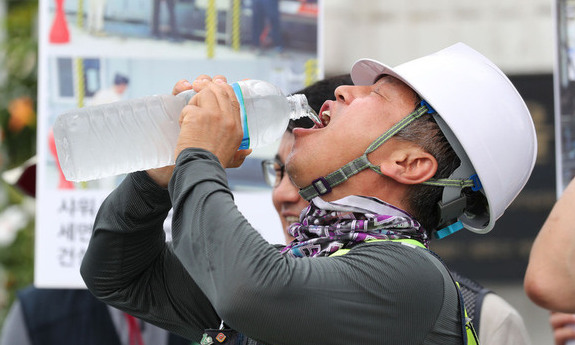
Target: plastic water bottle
(139,134)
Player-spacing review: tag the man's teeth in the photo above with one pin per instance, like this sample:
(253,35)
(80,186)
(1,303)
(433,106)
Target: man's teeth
(325,117)
(292,219)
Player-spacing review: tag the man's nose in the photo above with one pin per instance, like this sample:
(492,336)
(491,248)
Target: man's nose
(347,93)
(287,190)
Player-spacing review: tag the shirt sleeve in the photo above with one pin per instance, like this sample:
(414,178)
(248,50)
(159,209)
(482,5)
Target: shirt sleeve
(359,298)
(500,323)
(129,265)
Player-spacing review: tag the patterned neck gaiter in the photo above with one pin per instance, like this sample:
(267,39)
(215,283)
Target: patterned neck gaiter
(326,227)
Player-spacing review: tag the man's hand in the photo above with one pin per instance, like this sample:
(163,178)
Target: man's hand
(211,121)
(563,327)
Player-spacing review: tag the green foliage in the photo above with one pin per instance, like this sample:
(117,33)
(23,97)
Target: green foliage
(18,76)
(18,82)
(17,261)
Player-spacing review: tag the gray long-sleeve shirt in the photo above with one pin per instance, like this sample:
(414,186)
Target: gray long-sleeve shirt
(219,267)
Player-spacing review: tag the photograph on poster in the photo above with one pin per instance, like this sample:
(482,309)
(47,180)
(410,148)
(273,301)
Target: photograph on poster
(217,28)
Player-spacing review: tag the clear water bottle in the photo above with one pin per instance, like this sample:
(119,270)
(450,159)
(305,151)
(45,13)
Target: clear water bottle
(139,134)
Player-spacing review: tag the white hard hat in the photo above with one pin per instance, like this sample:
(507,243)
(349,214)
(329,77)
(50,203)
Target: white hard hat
(481,114)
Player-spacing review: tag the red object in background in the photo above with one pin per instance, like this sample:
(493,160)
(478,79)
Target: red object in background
(23,177)
(27,181)
(309,9)
(63,184)
(59,32)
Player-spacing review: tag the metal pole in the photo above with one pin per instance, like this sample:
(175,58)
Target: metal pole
(211,28)
(80,82)
(236,20)
(310,71)
(80,14)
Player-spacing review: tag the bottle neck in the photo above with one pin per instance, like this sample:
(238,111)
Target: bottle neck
(300,108)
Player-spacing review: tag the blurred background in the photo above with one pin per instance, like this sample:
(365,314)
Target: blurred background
(518,36)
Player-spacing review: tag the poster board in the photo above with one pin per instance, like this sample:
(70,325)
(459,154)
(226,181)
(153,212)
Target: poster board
(81,55)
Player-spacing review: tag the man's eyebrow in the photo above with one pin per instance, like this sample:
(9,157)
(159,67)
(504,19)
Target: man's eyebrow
(376,90)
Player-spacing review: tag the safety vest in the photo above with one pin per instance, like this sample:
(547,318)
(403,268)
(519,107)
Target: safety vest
(469,335)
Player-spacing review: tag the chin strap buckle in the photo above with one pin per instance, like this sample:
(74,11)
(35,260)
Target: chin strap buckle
(321,186)
(452,209)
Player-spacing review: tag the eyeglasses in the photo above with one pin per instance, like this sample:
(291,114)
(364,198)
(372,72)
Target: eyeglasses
(273,171)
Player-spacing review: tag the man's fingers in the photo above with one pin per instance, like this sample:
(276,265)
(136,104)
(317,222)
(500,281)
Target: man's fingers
(181,86)
(220,77)
(238,158)
(201,81)
(212,121)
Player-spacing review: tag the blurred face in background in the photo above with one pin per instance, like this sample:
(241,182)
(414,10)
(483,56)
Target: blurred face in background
(120,88)
(285,196)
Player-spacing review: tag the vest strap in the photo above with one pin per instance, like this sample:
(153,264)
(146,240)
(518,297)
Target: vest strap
(406,241)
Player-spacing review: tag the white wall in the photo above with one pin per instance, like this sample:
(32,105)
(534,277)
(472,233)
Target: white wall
(517,35)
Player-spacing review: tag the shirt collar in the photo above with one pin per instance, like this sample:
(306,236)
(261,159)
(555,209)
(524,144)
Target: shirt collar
(361,204)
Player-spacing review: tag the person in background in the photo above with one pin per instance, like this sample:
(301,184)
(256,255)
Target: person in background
(266,25)
(550,275)
(95,20)
(71,316)
(114,93)
(171,7)
(496,321)
(563,326)
(359,271)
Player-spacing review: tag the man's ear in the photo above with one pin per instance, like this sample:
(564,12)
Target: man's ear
(409,165)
